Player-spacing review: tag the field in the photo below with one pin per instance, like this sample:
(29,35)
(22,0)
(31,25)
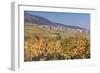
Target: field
(42,44)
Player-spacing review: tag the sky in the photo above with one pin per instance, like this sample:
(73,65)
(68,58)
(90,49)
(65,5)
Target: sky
(74,19)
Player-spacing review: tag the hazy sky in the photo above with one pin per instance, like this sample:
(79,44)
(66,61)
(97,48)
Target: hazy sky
(75,19)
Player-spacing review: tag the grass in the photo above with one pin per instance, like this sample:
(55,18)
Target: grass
(45,44)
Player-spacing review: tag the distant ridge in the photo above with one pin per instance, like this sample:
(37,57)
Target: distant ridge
(34,19)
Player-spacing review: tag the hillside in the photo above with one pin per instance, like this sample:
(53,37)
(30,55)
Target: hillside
(41,21)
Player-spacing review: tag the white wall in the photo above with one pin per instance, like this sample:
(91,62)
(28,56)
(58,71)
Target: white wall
(5,34)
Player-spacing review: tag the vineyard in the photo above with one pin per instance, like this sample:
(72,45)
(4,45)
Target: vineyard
(43,47)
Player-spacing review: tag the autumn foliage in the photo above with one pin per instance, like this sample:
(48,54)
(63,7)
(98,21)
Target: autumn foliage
(39,48)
